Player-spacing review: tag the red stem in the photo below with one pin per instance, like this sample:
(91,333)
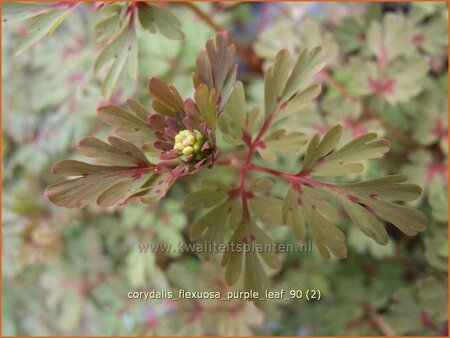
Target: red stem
(256,143)
(294,179)
(243,191)
(273,172)
(300,178)
(252,146)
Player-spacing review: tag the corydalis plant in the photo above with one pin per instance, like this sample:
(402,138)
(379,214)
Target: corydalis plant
(183,134)
(115,32)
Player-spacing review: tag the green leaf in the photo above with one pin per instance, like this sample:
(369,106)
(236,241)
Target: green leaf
(434,34)
(108,26)
(212,194)
(139,267)
(261,185)
(319,148)
(293,214)
(369,79)
(409,75)
(315,203)
(267,209)
(390,188)
(233,260)
(254,276)
(288,86)
(431,292)
(118,152)
(376,194)
(130,124)
(116,31)
(282,142)
(364,245)
(145,16)
(138,109)
(232,121)
(308,63)
(436,249)
(254,121)
(13,12)
(118,66)
(211,228)
(299,102)
(438,199)
(327,237)
(166,99)
(95,185)
(116,116)
(248,233)
(322,201)
(284,32)
(321,158)
(127,174)
(42,20)
(206,104)
(205,198)
(402,308)
(112,50)
(410,221)
(216,68)
(366,221)
(267,253)
(389,39)
(151,15)
(155,188)
(275,81)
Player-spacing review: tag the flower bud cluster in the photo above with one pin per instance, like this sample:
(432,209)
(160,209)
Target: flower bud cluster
(189,142)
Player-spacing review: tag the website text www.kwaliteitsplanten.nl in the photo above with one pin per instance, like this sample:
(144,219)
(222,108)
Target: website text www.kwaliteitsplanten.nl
(214,247)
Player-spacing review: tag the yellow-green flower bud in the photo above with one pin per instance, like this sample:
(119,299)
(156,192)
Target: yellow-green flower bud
(188,150)
(179,138)
(190,139)
(189,142)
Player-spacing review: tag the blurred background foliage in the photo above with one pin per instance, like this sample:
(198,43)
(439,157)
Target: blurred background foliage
(69,271)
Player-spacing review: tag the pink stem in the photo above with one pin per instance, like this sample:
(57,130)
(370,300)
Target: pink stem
(298,178)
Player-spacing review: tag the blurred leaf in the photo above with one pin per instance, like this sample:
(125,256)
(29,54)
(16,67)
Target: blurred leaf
(350,33)
(364,245)
(285,32)
(151,15)
(389,39)
(139,266)
(42,19)
(436,250)
(370,79)
(116,30)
